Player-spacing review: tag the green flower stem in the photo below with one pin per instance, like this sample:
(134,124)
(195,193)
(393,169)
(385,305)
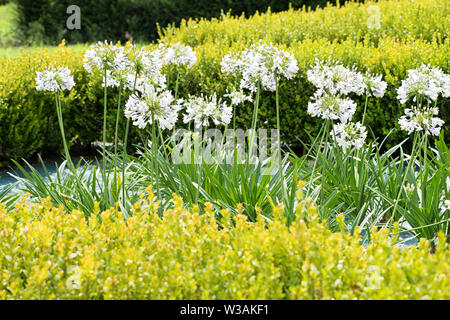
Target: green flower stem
(116,132)
(410,163)
(176,84)
(280,168)
(155,146)
(104,119)
(125,156)
(365,108)
(176,97)
(254,121)
(61,128)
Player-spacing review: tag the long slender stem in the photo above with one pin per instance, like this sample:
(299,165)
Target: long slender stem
(61,128)
(176,98)
(176,84)
(104,118)
(365,108)
(155,146)
(280,168)
(125,156)
(412,159)
(116,132)
(254,121)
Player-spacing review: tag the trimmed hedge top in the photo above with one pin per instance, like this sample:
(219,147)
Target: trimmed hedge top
(366,23)
(46,254)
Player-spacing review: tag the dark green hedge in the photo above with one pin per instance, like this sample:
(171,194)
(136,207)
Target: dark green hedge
(44,21)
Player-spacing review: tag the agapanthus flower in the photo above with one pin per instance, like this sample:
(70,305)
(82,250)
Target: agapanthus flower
(264,64)
(374,85)
(177,54)
(145,70)
(157,80)
(54,79)
(141,108)
(328,106)
(349,134)
(445,205)
(421,119)
(104,56)
(426,82)
(336,79)
(231,63)
(202,109)
(238,97)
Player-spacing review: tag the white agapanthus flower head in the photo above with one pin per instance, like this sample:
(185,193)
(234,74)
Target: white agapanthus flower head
(336,79)
(263,63)
(105,56)
(426,82)
(54,79)
(177,54)
(349,134)
(238,97)
(201,109)
(329,106)
(374,85)
(231,64)
(143,82)
(421,119)
(143,60)
(145,70)
(156,104)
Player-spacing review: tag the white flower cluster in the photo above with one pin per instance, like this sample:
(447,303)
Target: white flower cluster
(104,56)
(125,67)
(421,119)
(177,54)
(54,79)
(329,106)
(152,104)
(261,64)
(374,85)
(336,79)
(426,82)
(237,97)
(333,82)
(201,109)
(349,134)
(154,100)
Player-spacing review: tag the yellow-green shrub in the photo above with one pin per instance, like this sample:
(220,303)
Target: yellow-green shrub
(402,19)
(46,254)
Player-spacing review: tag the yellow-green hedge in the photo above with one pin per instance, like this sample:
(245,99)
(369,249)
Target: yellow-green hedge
(46,254)
(371,21)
